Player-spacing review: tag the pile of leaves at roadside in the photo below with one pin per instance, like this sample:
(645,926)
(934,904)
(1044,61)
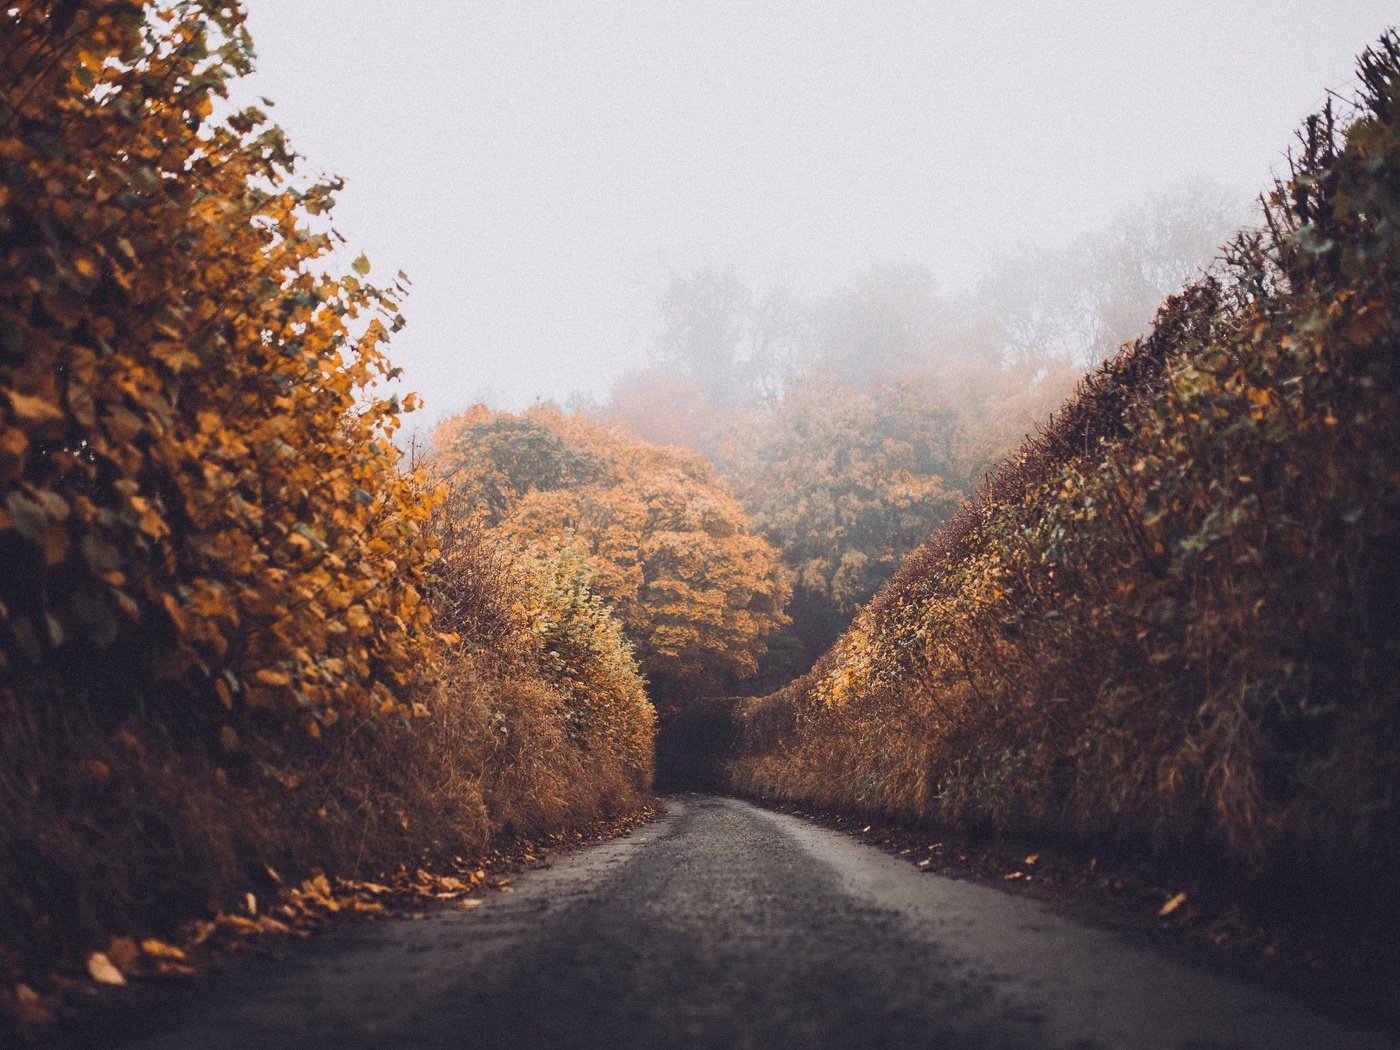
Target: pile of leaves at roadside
(129,964)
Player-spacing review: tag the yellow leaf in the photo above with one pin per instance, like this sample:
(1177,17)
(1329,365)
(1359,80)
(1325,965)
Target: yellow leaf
(33,409)
(13,445)
(160,950)
(101,970)
(1171,905)
(30,1006)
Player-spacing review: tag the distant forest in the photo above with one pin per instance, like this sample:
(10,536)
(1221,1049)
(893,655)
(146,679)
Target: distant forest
(852,424)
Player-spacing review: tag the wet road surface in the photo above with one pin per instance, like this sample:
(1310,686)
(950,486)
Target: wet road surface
(725,925)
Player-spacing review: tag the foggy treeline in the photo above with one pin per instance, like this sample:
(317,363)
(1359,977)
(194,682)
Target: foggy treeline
(853,421)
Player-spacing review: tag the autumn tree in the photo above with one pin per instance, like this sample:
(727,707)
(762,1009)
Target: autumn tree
(667,408)
(720,348)
(668,545)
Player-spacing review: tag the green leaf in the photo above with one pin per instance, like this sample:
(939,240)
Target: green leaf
(360,265)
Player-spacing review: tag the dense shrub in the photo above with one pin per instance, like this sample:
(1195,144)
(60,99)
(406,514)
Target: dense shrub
(235,635)
(1169,621)
(527,617)
(201,505)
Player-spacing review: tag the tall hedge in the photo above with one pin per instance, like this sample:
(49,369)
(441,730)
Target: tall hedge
(1169,622)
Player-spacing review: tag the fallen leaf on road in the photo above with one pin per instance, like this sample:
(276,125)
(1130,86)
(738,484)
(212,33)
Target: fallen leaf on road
(237,923)
(200,931)
(101,970)
(1013,875)
(160,950)
(925,863)
(1033,858)
(31,1007)
(1172,904)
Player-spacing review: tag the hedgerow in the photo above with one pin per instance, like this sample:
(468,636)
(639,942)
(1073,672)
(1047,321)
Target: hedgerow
(1168,622)
(237,635)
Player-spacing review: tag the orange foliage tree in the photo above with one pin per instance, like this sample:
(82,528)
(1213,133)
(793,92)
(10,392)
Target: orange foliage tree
(669,546)
(198,493)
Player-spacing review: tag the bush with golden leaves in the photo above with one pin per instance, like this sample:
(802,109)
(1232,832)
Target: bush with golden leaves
(199,499)
(521,616)
(209,550)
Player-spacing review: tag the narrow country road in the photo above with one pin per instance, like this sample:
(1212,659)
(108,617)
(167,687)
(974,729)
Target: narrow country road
(724,925)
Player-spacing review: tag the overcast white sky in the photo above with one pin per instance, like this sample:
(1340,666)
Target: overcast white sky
(539,168)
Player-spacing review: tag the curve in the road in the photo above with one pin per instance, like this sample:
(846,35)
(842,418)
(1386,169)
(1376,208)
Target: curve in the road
(723,925)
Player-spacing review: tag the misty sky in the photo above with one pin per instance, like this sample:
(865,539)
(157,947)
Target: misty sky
(540,168)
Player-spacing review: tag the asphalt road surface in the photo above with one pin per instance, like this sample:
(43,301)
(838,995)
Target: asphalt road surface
(724,925)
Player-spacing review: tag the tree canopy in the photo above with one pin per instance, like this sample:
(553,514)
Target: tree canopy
(669,546)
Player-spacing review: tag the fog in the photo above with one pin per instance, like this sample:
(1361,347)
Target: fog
(544,171)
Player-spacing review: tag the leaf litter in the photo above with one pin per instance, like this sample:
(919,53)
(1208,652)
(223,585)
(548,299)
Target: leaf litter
(291,911)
